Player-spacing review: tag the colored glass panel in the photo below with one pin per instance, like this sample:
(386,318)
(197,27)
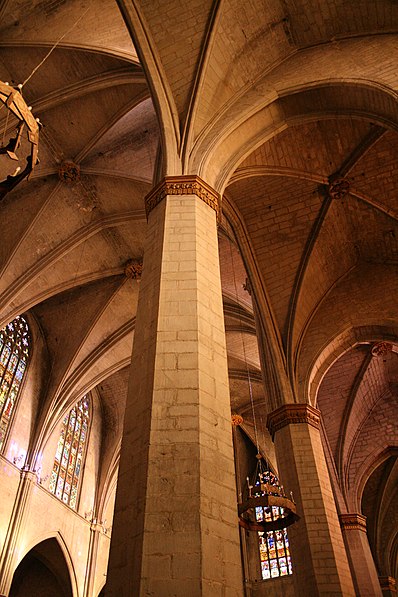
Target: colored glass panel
(273,545)
(14,355)
(67,464)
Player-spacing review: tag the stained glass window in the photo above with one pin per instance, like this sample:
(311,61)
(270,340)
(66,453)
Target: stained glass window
(274,545)
(14,354)
(67,469)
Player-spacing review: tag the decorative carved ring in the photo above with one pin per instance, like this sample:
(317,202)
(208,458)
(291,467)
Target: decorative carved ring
(289,414)
(183,185)
(339,188)
(69,172)
(353,522)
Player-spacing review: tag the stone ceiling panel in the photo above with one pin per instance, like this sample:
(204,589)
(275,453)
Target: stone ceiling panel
(335,391)
(315,22)
(279,213)
(376,174)
(70,127)
(344,308)
(97,24)
(179,33)
(129,147)
(319,147)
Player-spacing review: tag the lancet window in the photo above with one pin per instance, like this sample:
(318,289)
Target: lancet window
(68,463)
(14,356)
(274,545)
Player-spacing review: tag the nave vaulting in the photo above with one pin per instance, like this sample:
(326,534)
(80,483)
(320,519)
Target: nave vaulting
(198,298)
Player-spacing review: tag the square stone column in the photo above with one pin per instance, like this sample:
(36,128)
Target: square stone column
(363,568)
(319,559)
(175,530)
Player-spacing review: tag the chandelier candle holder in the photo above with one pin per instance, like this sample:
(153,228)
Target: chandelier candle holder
(18,110)
(266,507)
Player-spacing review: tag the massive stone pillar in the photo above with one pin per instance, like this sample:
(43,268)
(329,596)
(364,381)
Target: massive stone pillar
(320,565)
(358,550)
(175,530)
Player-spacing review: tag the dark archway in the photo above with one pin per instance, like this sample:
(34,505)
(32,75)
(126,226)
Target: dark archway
(379,505)
(43,573)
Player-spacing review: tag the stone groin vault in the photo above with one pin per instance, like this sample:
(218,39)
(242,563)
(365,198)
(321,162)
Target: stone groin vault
(198,278)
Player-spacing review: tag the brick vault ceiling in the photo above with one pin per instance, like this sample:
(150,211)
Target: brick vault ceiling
(217,68)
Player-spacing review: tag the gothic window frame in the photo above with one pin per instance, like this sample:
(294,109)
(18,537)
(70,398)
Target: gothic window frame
(274,550)
(274,546)
(60,470)
(17,338)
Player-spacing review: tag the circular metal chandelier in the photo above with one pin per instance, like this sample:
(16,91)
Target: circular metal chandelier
(266,507)
(18,118)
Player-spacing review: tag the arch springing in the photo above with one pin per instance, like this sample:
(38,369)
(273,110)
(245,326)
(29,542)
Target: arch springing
(67,470)
(14,356)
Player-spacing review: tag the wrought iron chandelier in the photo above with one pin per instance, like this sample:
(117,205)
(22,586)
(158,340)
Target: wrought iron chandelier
(18,117)
(265,507)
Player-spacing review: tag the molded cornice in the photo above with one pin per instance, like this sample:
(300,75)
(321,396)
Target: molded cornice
(290,414)
(183,185)
(353,522)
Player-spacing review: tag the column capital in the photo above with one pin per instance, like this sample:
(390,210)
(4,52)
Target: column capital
(289,414)
(183,185)
(353,522)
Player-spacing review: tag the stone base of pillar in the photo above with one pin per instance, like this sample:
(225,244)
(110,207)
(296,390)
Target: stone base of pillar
(388,586)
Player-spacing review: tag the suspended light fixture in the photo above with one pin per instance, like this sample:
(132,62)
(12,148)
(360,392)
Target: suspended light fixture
(265,507)
(17,109)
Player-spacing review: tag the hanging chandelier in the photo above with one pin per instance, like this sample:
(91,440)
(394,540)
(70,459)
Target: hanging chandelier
(18,117)
(265,507)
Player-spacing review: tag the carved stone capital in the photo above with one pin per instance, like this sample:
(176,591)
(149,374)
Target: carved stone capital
(353,522)
(290,414)
(183,185)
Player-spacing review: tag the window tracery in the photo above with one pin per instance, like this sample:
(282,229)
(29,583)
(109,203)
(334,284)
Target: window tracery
(14,356)
(67,469)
